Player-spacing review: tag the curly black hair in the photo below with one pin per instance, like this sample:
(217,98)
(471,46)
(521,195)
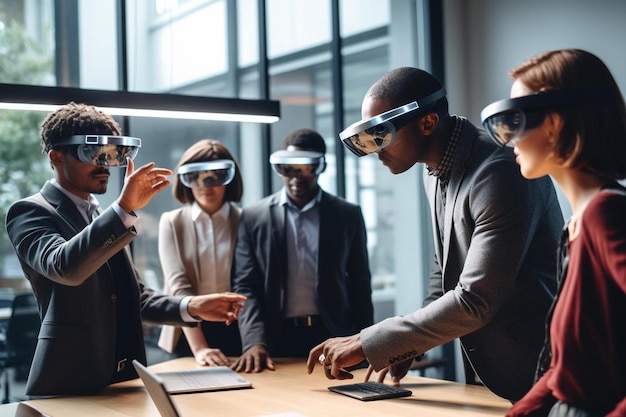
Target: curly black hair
(75,119)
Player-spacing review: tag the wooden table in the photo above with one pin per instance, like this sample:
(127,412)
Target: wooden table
(287,392)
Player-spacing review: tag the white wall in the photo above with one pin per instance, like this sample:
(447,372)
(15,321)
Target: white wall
(485,39)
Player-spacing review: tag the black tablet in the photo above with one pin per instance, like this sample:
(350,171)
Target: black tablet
(370,391)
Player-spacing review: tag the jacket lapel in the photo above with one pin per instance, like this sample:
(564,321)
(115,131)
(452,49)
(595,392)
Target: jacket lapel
(191,242)
(326,233)
(65,207)
(278,245)
(463,151)
(431,185)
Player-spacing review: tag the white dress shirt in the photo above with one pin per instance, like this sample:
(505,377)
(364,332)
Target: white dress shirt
(214,248)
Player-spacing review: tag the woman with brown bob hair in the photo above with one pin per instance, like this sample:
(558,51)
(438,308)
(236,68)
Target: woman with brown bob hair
(566,118)
(196,245)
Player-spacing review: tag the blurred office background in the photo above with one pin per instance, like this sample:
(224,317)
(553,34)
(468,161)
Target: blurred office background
(317,57)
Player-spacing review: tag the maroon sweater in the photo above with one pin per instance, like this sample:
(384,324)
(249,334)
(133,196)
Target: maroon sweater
(588,328)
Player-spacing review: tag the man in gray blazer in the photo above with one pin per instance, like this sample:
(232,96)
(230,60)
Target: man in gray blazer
(495,234)
(90,297)
(301,260)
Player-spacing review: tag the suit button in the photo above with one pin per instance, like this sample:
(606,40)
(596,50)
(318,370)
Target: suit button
(113,297)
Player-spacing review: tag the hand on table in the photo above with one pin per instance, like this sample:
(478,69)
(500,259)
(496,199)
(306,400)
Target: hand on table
(221,307)
(211,357)
(396,372)
(255,359)
(336,354)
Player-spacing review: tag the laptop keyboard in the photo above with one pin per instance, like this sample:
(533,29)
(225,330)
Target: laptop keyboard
(199,378)
(205,379)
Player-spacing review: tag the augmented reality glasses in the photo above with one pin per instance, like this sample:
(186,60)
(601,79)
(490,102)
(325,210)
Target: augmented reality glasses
(297,163)
(102,150)
(379,132)
(207,174)
(506,120)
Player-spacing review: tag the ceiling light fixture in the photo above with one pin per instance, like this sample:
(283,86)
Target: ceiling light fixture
(125,103)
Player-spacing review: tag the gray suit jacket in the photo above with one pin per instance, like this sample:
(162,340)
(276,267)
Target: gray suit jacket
(494,276)
(68,264)
(260,265)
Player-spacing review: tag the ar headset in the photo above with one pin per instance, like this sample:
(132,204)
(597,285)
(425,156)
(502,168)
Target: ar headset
(379,132)
(207,174)
(293,163)
(101,149)
(506,120)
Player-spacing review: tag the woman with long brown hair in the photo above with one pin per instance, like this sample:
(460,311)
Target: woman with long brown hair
(196,244)
(566,118)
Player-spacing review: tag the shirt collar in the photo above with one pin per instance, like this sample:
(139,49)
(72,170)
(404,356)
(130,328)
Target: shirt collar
(79,202)
(445,165)
(283,200)
(196,211)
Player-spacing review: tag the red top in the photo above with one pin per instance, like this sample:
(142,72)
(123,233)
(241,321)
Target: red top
(588,328)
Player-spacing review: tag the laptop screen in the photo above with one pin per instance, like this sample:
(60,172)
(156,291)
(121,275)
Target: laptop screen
(156,390)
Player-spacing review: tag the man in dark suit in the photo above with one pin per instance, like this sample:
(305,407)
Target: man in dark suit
(90,297)
(301,259)
(495,233)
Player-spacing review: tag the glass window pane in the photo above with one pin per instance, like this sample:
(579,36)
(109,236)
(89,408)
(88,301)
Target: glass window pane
(175,44)
(362,15)
(294,25)
(27,42)
(303,85)
(367,180)
(27,45)
(97,42)
(23,171)
(248,32)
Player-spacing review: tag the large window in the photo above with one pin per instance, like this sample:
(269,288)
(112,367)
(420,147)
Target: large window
(213,48)
(26,57)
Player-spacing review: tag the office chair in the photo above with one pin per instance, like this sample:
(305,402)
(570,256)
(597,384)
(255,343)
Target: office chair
(426,362)
(20,338)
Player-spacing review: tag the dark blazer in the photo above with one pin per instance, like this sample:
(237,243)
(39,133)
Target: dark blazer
(494,276)
(260,265)
(68,264)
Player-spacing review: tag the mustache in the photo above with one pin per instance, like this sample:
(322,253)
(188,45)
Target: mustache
(101,171)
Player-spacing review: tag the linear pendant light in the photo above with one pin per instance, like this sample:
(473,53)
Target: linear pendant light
(125,103)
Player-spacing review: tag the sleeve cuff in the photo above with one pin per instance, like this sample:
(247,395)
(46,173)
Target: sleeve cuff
(184,312)
(129,219)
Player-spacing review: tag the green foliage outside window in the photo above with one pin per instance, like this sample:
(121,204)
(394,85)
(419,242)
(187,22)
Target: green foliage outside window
(23,168)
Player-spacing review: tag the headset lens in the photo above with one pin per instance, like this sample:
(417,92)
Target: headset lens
(297,170)
(105,155)
(371,140)
(507,128)
(207,174)
(297,163)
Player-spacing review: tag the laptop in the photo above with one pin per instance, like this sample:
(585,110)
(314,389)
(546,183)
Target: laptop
(210,378)
(156,390)
(370,391)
